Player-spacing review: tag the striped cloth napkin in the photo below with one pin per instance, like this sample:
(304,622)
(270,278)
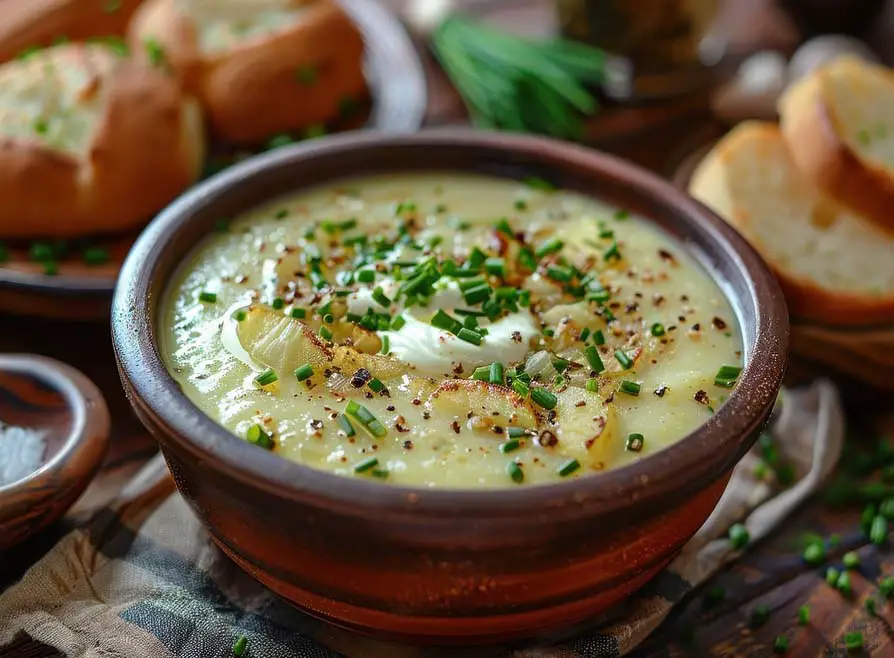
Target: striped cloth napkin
(143,580)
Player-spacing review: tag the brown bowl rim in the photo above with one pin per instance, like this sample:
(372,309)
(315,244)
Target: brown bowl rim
(690,462)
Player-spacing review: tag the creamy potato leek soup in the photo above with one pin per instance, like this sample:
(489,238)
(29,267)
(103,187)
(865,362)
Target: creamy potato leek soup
(450,331)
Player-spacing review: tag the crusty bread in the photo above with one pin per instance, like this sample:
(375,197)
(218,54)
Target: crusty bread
(839,125)
(91,142)
(26,24)
(259,67)
(833,266)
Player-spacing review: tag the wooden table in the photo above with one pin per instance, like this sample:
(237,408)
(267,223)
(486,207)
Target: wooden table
(771,572)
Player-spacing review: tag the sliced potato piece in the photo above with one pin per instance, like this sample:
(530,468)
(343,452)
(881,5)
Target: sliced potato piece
(349,360)
(458,398)
(586,427)
(277,341)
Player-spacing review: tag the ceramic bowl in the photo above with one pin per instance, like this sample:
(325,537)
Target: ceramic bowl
(442,566)
(71,416)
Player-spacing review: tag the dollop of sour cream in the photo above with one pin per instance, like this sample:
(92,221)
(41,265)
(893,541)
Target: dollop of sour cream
(436,352)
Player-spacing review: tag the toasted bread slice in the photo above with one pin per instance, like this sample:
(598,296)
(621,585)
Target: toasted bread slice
(91,142)
(834,267)
(839,125)
(259,68)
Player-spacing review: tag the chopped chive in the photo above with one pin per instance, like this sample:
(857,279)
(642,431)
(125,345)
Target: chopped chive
(832,576)
(279,141)
(635,442)
(345,423)
(503,227)
(240,315)
(477,295)
(207,297)
(397,323)
(520,387)
(298,312)
(444,321)
(605,234)
(657,329)
(780,644)
(593,358)
(557,273)
(814,553)
(551,246)
(568,468)
(870,604)
(386,346)
(260,437)
(759,616)
(516,432)
(612,253)
(593,385)
(537,183)
(469,336)
(515,472)
(510,446)
(282,213)
(376,385)
(738,536)
(886,587)
(278,304)
(878,532)
(625,361)
(366,276)
(304,372)
(404,206)
(629,387)
(306,75)
(853,641)
(599,337)
(496,266)
(495,376)
(544,398)
(584,334)
(155,51)
(381,473)
(366,465)
(96,255)
(240,646)
(850,560)
(325,333)
(727,376)
(481,374)
(526,259)
(365,417)
(50,268)
(521,204)
(380,298)
(266,378)
(621,215)
(804,615)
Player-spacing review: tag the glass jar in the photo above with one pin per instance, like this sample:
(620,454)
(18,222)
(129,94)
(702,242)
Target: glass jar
(659,48)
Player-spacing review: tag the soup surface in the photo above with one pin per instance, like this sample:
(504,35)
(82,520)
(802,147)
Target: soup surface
(450,331)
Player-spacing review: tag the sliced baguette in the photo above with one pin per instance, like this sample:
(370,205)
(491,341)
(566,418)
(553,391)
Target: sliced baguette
(833,266)
(839,125)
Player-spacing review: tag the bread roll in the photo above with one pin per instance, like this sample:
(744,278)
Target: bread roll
(91,142)
(834,267)
(839,124)
(28,24)
(259,67)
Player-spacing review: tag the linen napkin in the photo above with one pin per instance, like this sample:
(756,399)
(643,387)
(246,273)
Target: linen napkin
(143,580)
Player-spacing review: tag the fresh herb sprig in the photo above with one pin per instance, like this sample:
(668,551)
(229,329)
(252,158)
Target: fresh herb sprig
(516,83)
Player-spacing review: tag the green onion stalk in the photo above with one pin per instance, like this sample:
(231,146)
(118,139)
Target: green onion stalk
(511,82)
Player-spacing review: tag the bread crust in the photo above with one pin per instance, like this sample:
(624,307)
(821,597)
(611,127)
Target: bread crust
(805,298)
(147,147)
(28,24)
(814,137)
(252,91)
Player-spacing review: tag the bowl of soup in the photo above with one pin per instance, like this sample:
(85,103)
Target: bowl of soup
(449,387)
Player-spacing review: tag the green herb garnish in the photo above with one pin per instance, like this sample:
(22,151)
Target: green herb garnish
(510,446)
(304,372)
(366,465)
(568,468)
(207,297)
(629,387)
(515,472)
(635,442)
(259,437)
(738,536)
(544,398)
(242,641)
